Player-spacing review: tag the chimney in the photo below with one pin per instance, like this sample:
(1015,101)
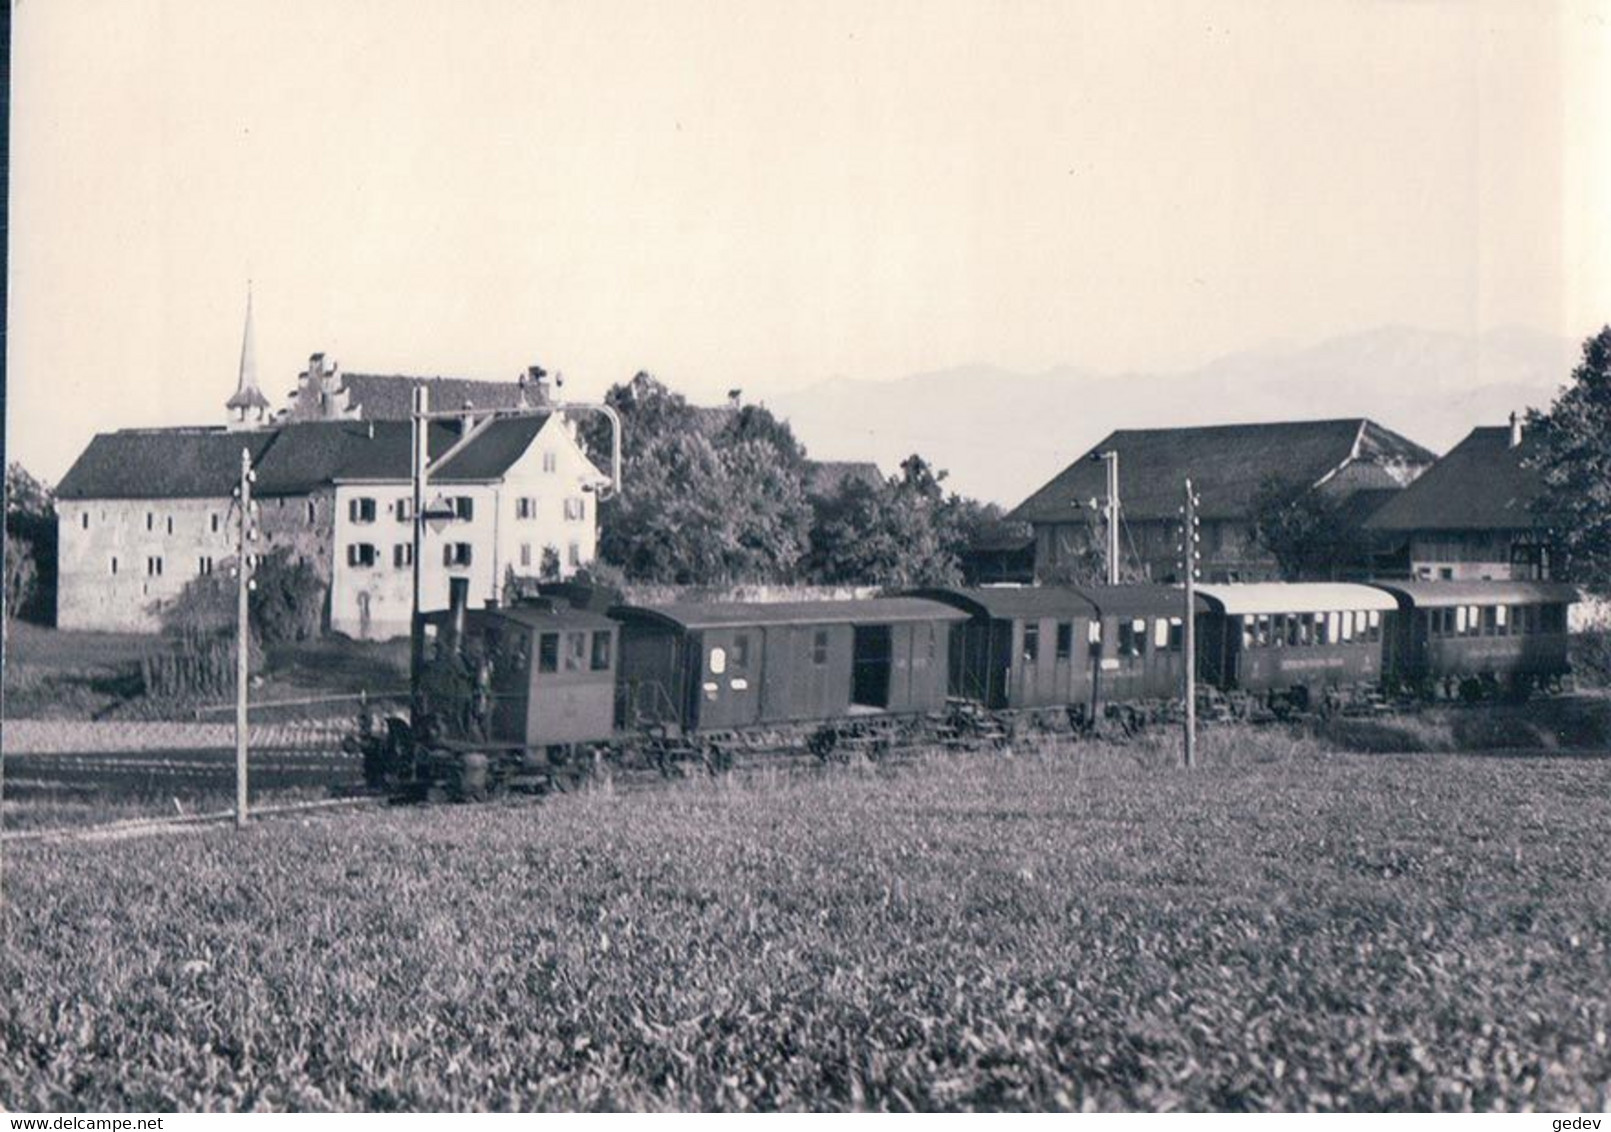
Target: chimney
(1515,430)
(539,386)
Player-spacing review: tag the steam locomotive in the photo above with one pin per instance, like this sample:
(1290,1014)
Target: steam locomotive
(533,694)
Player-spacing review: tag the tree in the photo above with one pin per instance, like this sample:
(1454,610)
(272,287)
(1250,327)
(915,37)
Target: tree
(31,517)
(902,532)
(21,574)
(1304,529)
(1570,446)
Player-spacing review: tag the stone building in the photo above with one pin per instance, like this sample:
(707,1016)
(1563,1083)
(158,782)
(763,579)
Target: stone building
(142,512)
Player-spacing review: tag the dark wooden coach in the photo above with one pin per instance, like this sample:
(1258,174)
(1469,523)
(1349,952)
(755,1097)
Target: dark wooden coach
(1507,633)
(720,667)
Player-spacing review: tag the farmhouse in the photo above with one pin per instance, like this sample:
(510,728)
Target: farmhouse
(1228,464)
(1470,515)
(142,512)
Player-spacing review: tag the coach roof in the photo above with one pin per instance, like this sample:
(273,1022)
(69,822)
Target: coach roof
(1295,597)
(1434,595)
(873,611)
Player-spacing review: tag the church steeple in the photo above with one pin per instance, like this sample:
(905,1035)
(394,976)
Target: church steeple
(248,398)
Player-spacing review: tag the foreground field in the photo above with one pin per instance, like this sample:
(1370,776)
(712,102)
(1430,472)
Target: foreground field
(1283,928)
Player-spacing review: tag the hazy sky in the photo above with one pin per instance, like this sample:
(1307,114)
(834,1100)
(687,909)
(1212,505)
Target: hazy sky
(765,195)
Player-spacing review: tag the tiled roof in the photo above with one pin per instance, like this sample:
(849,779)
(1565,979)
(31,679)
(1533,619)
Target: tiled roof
(292,459)
(161,464)
(493,450)
(390,397)
(1227,465)
(1482,484)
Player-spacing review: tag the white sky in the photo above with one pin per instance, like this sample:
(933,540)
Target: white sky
(765,195)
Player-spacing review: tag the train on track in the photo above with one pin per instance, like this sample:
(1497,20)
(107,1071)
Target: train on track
(536,693)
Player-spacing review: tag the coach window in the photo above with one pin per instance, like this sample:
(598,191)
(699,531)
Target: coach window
(1502,620)
(1065,640)
(1375,625)
(718,661)
(819,648)
(1462,620)
(601,650)
(1552,619)
(1031,643)
(1249,631)
(1177,634)
(548,652)
(1262,630)
(1093,636)
(740,656)
(1160,634)
(575,652)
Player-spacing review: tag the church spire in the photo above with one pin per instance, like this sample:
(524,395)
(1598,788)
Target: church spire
(248,397)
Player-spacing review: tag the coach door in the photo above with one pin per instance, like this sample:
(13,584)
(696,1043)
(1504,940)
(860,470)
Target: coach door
(872,656)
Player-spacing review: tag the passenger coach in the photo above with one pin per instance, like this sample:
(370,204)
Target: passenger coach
(1474,638)
(721,667)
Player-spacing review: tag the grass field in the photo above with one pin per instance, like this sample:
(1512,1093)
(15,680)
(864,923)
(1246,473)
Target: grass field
(1283,928)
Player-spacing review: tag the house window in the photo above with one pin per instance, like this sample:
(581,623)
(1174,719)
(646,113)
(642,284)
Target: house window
(114,564)
(463,508)
(150,521)
(819,648)
(204,564)
(601,650)
(83,520)
(404,509)
(360,554)
(1065,640)
(403,555)
(153,567)
(456,554)
(525,554)
(215,522)
(313,512)
(574,553)
(575,509)
(548,652)
(170,524)
(550,462)
(526,507)
(361,510)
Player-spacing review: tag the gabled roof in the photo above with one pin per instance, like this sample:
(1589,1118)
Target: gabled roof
(390,397)
(292,459)
(492,450)
(174,463)
(1481,485)
(1227,465)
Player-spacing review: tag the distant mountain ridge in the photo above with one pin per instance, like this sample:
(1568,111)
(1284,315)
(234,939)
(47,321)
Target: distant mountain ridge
(1002,433)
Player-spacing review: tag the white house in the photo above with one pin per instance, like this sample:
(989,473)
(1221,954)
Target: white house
(522,494)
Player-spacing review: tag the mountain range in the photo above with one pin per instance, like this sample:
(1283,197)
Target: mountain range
(1001,434)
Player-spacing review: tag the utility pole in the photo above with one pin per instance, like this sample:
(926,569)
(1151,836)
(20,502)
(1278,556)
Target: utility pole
(243,630)
(1189,561)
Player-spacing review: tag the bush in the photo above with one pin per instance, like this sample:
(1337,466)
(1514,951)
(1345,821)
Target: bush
(1591,658)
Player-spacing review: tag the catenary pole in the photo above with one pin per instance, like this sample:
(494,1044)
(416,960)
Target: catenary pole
(1189,623)
(419,453)
(1111,459)
(242,633)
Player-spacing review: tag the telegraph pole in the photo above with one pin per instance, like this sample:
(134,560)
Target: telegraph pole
(1190,560)
(243,631)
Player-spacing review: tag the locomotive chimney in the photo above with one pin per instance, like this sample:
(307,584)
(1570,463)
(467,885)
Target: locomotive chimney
(1515,429)
(458,602)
